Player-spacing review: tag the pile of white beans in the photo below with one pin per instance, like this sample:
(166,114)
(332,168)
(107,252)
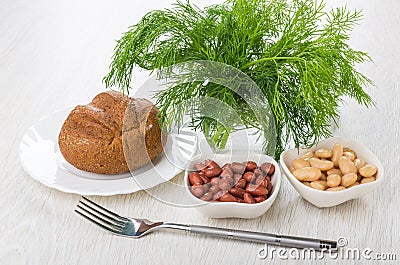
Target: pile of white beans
(332,170)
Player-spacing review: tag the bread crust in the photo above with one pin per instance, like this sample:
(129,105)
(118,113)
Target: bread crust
(112,134)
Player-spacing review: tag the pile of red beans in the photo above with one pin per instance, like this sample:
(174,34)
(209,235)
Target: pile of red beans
(235,182)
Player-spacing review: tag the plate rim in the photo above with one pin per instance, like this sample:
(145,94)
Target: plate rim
(126,189)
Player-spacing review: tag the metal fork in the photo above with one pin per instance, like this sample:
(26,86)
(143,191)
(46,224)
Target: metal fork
(135,228)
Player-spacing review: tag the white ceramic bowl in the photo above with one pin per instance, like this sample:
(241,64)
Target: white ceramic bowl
(324,198)
(234,209)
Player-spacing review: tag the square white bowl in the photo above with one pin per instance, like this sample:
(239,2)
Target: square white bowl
(323,199)
(234,209)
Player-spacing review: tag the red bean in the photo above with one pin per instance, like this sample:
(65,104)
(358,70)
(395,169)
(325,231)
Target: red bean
(215,180)
(265,182)
(213,189)
(218,195)
(250,165)
(248,176)
(195,179)
(241,183)
(269,188)
(250,186)
(225,166)
(200,166)
(271,170)
(207,197)
(239,200)
(258,172)
(248,198)
(236,182)
(260,181)
(213,172)
(237,192)
(227,198)
(256,190)
(197,190)
(258,199)
(204,178)
(238,168)
(210,163)
(225,184)
(206,187)
(236,178)
(267,168)
(227,173)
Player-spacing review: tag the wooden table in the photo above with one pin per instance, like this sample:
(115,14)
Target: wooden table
(54,54)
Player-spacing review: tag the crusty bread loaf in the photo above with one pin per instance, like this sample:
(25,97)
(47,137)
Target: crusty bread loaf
(112,134)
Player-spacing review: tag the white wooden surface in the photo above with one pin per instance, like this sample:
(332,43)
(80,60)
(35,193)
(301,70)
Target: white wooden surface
(55,53)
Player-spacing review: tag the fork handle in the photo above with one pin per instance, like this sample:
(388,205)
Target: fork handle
(271,239)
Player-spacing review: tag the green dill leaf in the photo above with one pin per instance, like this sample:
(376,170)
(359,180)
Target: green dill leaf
(297,54)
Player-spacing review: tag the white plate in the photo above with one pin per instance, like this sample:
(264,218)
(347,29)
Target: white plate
(41,158)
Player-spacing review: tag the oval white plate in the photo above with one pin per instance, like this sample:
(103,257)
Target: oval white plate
(41,158)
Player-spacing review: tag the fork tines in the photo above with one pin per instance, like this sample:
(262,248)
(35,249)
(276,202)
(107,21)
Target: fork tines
(100,216)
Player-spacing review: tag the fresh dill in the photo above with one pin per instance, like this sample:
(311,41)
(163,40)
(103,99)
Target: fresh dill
(295,51)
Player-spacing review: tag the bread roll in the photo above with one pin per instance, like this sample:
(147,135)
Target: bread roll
(112,134)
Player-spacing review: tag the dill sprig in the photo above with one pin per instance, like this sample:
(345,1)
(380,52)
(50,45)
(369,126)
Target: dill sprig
(293,50)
